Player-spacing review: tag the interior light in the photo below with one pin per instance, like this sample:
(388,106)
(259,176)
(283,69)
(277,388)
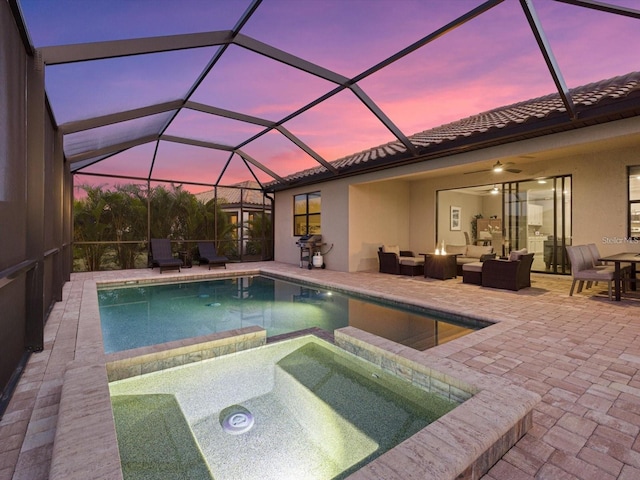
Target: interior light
(498,167)
(542,180)
(495,190)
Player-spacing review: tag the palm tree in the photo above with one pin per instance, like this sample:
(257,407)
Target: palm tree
(216,225)
(127,216)
(90,225)
(259,232)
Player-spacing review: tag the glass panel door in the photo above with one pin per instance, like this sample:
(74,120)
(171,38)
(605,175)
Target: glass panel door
(538,217)
(532,214)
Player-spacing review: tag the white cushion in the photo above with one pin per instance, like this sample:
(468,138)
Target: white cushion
(516,254)
(464,260)
(456,249)
(391,249)
(472,267)
(477,251)
(412,261)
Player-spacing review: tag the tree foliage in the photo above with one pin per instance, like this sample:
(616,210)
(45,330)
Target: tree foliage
(119,214)
(259,232)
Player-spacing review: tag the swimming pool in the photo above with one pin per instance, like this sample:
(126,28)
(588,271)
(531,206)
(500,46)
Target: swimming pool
(149,314)
(315,412)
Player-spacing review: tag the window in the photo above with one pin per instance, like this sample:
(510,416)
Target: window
(306,214)
(634,202)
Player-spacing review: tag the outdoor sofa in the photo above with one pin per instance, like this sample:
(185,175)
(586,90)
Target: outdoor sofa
(470,254)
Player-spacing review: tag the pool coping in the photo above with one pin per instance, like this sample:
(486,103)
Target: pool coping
(86,429)
(138,361)
(464,443)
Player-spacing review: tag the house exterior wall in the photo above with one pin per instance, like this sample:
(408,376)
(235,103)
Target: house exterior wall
(379,214)
(398,206)
(334,224)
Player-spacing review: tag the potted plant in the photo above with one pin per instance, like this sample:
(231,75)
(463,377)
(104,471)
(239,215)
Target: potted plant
(474,226)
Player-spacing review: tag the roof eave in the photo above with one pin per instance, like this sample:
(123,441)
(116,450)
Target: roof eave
(558,122)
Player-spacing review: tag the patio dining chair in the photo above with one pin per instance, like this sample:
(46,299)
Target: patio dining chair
(583,269)
(592,249)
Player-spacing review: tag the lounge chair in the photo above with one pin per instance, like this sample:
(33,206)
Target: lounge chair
(161,255)
(209,254)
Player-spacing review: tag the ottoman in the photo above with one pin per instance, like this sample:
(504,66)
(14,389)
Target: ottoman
(472,273)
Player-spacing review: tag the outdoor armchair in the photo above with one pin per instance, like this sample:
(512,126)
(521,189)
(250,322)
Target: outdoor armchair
(512,274)
(399,262)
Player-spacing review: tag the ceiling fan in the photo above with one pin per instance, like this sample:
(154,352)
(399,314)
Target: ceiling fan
(494,189)
(499,167)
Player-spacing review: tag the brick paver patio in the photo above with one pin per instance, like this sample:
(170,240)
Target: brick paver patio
(580,354)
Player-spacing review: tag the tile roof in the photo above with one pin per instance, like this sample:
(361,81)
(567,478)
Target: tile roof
(250,191)
(598,102)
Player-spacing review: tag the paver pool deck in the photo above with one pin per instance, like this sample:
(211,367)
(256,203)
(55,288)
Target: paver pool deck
(581,354)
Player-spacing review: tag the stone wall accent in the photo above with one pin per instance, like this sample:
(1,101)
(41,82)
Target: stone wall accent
(466,442)
(130,363)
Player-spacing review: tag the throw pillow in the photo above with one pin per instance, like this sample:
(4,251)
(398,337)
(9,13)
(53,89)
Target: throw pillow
(391,249)
(478,250)
(516,254)
(456,249)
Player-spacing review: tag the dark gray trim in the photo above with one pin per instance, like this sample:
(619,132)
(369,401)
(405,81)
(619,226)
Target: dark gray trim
(604,7)
(82,52)
(549,58)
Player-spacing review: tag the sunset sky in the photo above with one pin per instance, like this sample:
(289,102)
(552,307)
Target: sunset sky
(489,62)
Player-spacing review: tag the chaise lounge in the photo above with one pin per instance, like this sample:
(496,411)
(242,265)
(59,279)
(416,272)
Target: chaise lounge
(209,254)
(161,255)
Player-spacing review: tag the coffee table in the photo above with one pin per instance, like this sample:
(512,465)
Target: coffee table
(440,266)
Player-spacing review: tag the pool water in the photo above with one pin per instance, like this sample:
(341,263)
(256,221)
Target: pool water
(149,314)
(319,413)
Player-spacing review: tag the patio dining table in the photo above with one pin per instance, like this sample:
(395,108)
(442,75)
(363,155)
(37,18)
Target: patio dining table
(618,258)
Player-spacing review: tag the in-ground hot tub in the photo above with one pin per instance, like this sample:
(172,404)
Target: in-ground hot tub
(492,414)
(301,408)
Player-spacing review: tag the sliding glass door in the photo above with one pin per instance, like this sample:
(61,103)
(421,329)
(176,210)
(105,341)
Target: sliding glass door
(537,217)
(531,214)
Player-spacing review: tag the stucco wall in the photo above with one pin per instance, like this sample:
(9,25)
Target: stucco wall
(399,205)
(335,224)
(379,214)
